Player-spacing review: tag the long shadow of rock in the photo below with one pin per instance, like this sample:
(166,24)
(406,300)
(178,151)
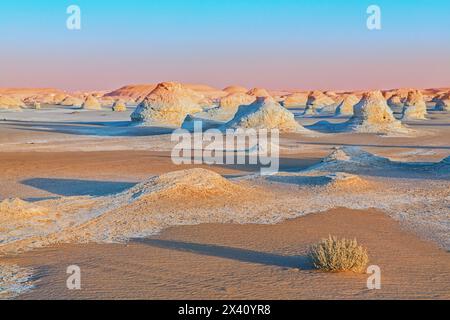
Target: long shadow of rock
(72,187)
(301,181)
(102,129)
(243,255)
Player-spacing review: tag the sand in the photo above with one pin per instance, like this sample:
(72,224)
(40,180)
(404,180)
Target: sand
(226,261)
(103,183)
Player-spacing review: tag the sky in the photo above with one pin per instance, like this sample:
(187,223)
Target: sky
(277,44)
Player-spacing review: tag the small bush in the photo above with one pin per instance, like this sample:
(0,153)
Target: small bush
(337,255)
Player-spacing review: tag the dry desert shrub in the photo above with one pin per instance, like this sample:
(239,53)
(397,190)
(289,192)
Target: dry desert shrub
(338,255)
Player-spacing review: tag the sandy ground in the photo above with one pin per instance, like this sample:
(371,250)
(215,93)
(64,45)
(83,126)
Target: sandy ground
(57,154)
(223,261)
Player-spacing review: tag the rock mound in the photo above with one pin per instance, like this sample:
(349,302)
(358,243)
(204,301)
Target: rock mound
(415,106)
(91,103)
(295,100)
(395,101)
(373,115)
(191,182)
(9,102)
(346,182)
(317,99)
(119,106)
(265,113)
(258,92)
(345,108)
(443,102)
(234,100)
(71,102)
(235,89)
(168,104)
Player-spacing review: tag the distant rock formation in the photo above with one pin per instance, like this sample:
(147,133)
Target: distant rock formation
(395,101)
(443,102)
(258,92)
(119,106)
(10,102)
(91,103)
(71,101)
(235,89)
(415,106)
(265,113)
(345,108)
(373,115)
(317,99)
(295,100)
(234,100)
(168,104)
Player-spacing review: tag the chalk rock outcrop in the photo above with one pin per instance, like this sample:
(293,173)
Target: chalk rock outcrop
(373,115)
(415,106)
(71,102)
(168,104)
(443,102)
(10,102)
(234,100)
(119,106)
(296,99)
(265,113)
(235,89)
(258,92)
(91,103)
(395,101)
(345,108)
(317,99)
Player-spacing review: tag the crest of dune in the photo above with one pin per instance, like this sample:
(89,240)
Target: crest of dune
(265,113)
(71,101)
(119,106)
(345,108)
(296,100)
(91,103)
(258,92)
(235,89)
(234,100)
(317,99)
(10,102)
(168,104)
(373,115)
(415,106)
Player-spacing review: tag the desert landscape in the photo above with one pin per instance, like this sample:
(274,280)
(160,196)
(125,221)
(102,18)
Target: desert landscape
(87,179)
(197,154)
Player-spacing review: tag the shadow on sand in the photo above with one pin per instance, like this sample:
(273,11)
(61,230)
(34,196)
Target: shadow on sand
(102,129)
(242,255)
(72,187)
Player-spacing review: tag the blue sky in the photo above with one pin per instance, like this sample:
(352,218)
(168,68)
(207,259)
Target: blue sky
(273,43)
